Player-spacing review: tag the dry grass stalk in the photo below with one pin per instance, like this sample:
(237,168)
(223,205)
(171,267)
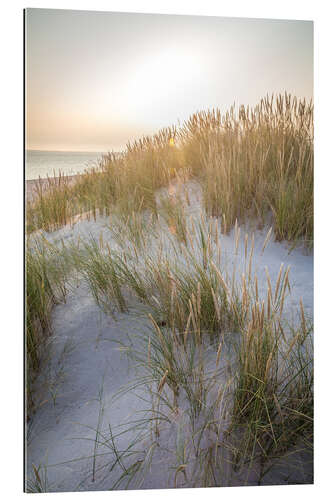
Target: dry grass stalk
(162,382)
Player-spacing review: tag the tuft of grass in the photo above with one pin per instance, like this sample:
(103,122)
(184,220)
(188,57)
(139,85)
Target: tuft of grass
(128,179)
(38,482)
(101,272)
(255,162)
(136,229)
(47,272)
(172,211)
(273,401)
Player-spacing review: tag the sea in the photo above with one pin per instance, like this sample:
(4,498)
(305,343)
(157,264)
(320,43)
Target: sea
(49,163)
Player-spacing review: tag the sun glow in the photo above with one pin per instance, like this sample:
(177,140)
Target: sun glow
(160,78)
(98,80)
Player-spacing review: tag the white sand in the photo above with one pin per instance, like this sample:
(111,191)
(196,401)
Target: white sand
(86,367)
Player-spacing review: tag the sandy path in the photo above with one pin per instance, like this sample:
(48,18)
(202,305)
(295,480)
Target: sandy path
(84,361)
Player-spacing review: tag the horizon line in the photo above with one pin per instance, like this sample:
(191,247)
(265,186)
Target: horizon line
(66,150)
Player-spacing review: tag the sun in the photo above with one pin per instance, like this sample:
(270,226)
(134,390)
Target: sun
(160,76)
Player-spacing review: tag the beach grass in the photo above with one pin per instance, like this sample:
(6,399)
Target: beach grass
(215,350)
(47,271)
(218,349)
(197,308)
(256,162)
(251,162)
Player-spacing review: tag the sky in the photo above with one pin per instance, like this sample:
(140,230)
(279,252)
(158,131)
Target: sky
(96,80)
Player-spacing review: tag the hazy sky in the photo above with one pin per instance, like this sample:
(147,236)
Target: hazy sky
(98,79)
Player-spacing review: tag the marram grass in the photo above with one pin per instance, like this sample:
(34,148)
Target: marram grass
(215,353)
(252,162)
(218,356)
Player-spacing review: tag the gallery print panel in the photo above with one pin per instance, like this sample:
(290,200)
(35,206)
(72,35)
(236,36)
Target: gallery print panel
(169,251)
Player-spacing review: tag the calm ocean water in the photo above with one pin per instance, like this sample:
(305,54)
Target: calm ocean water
(45,163)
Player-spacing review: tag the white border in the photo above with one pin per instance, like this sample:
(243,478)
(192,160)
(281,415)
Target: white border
(11,81)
